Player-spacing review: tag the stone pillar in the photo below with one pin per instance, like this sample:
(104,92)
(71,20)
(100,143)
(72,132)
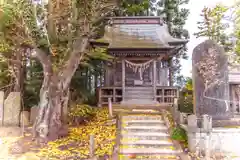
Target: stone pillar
(123,79)
(175,110)
(110,107)
(192,121)
(25,118)
(154,79)
(193,136)
(207,123)
(33,114)
(183,118)
(1,107)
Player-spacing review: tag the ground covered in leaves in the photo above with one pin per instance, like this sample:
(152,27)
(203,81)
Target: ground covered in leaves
(76,145)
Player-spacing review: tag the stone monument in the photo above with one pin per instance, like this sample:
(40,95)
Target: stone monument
(12,108)
(210,81)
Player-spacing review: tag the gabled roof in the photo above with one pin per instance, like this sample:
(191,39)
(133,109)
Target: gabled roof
(138,32)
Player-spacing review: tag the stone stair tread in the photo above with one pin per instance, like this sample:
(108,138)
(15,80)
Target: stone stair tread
(146,127)
(147,134)
(144,121)
(142,117)
(149,157)
(150,150)
(152,159)
(153,138)
(147,142)
(139,101)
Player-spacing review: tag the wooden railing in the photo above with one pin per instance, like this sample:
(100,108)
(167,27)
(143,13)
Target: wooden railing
(164,95)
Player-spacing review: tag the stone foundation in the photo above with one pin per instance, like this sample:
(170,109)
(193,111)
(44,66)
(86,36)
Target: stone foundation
(224,140)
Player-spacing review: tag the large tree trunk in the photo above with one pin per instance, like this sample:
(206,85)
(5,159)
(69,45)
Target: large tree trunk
(49,124)
(52,100)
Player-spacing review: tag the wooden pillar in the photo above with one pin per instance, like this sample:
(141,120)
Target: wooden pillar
(114,71)
(234,98)
(170,73)
(154,79)
(107,75)
(123,79)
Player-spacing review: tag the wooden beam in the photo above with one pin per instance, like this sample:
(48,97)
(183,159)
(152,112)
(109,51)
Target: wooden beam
(140,58)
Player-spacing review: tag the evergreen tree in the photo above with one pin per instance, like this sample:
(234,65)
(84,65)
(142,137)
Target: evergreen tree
(138,7)
(213,26)
(175,16)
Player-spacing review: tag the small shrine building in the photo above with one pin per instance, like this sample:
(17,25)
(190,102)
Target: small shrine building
(140,73)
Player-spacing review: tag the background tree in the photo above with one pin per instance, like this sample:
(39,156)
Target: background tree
(236,28)
(138,7)
(213,25)
(186,97)
(175,16)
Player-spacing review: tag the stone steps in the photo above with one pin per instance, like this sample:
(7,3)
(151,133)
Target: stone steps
(146,135)
(139,95)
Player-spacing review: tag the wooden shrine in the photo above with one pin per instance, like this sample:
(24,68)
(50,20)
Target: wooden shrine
(140,73)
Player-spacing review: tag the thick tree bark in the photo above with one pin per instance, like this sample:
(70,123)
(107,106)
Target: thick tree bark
(54,93)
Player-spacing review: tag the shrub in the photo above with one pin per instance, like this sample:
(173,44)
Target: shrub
(185,104)
(179,134)
(80,113)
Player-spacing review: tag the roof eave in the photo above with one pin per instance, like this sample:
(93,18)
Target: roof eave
(180,42)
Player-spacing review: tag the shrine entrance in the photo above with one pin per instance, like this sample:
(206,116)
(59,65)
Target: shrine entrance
(139,73)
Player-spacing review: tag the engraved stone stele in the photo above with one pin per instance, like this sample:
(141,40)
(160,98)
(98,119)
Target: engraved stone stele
(211,89)
(1,107)
(33,114)
(12,107)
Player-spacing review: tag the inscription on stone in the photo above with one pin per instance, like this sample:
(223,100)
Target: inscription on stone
(210,81)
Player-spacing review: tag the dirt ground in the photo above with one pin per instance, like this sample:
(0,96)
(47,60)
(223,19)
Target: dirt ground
(9,143)
(8,135)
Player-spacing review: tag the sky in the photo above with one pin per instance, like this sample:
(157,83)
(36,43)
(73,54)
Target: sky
(196,7)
